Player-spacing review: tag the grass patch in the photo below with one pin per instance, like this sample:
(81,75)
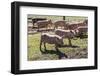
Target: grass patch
(34,53)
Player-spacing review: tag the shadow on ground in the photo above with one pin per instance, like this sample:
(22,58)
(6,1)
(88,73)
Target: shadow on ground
(57,52)
(72,46)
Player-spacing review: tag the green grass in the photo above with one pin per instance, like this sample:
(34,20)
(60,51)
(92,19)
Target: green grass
(34,52)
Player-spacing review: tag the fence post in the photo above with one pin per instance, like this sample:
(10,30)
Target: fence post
(63,17)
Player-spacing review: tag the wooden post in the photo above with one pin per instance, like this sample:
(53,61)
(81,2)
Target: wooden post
(63,17)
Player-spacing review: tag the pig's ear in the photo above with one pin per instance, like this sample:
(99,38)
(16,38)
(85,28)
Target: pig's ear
(76,31)
(57,39)
(72,31)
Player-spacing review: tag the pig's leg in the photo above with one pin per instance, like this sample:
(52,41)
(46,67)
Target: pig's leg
(45,46)
(70,44)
